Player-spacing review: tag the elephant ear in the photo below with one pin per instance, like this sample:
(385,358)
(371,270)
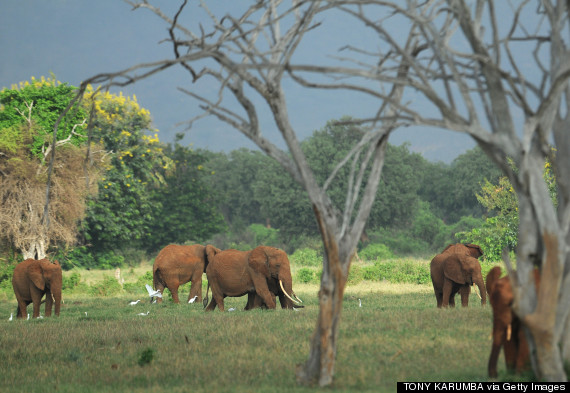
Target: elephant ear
(259,260)
(474,250)
(35,272)
(453,269)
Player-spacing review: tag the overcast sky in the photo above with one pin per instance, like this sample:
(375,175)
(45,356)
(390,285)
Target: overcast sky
(76,39)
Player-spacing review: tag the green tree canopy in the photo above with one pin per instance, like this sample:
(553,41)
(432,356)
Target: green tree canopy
(187,206)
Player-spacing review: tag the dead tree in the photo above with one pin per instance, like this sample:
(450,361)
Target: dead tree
(446,64)
(500,76)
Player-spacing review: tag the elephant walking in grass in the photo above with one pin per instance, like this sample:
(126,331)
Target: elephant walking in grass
(176,265)
(456,269)
(32,279)
(263,273)
(508,330)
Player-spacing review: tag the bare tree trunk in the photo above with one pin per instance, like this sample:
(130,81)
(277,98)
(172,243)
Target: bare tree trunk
(319,367)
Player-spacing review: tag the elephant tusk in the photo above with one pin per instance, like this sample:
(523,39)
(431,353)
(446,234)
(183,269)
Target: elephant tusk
(285,292)
(297,297)
(509,332)
(477,292)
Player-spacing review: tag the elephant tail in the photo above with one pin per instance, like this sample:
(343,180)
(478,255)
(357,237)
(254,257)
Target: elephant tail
(492,278)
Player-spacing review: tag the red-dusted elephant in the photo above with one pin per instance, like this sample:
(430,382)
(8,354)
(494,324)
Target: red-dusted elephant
(263,272)
(508,330)
(442,270)
(176,265)
(31,280)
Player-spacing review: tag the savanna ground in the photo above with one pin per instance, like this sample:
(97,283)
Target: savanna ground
(100,344)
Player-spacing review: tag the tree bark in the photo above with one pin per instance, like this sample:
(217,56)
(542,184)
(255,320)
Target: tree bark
(319,367)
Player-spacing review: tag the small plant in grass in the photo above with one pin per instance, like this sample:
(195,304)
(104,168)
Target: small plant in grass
(146,357)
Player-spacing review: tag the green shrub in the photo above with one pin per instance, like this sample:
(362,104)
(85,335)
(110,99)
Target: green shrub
(306,257)
(109,287)
(375,251)
(6,272)
(71,282)
(398,271)
(306,275)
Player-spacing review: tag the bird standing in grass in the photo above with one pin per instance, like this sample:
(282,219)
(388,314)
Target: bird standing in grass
(11,316)
(143,314)
(359,303)
(193,299)
(134,303)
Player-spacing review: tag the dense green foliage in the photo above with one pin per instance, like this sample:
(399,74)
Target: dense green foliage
(38,103)
(186,206)
(152,194)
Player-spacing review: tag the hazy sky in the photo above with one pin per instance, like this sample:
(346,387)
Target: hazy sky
(76,39)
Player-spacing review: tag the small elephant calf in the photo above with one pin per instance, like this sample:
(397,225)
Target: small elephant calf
(508,329)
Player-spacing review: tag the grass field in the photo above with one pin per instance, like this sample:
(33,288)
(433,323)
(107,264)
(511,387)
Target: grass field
(102,345)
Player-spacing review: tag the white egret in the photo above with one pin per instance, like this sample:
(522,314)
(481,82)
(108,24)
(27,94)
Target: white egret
(232,309)
(152,292)
(359,303)
(134,303)
(143,314)
(193,299)
(11,316)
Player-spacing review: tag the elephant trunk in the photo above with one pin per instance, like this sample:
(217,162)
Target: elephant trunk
(482,290)
(57,299)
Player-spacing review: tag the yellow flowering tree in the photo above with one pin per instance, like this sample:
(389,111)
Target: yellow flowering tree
(120,215)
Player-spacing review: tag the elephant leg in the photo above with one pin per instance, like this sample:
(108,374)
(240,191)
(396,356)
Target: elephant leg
(465,291)
(260,284)
(511,351)
(523,353)
(253,301)
(448,298)
(159,286)
(211,305)
(452,300)
(217,297)
(196,286)
(37,303)
(492,366)
(438,298)
(22,309)
(174,292)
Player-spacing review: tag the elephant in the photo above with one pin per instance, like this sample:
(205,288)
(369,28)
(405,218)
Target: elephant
(176,265)
(262,273)
(31,280)
(437,272)
(507,327)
